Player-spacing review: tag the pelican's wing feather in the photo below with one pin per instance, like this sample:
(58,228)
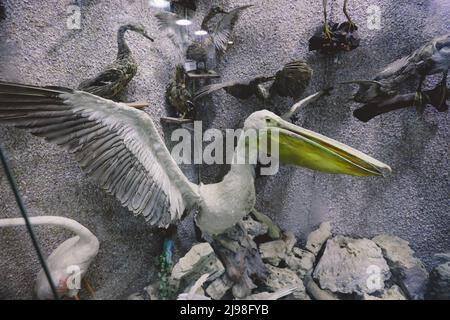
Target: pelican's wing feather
(118,146)
(222,31)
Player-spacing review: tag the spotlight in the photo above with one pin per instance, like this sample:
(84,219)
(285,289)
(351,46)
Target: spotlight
(162,4)
(201,33)
(183,22)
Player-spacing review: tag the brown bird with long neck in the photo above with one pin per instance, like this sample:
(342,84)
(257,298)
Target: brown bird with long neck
(115,77)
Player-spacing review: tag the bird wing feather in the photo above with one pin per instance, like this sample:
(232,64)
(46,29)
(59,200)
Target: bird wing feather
(242,89)
(118,146)
(222,31)
(177,34)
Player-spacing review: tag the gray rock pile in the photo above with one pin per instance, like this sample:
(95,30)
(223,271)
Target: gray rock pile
(327,268)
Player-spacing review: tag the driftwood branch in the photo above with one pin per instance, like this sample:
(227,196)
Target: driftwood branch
(434,97)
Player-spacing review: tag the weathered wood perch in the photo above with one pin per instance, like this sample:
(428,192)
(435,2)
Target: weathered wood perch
(434,97)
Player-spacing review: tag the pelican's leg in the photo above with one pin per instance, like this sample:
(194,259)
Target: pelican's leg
(274,232)
(351,25)
(88,287)
(326,30)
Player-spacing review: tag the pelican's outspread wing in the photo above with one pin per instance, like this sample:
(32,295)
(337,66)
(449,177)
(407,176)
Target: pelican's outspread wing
(118,146)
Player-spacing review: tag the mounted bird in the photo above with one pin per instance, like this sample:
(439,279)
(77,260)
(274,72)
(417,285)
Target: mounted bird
(71,259)
(335,37)
(188,4)
(178,96)
(431,58)
(434,97)
(290,81)
(121,149)
(111,82)
(211,37)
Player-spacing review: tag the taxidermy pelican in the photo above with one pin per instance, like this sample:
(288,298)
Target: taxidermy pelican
(112,81)
(431,58)
(120,148)
(291,81)
(78,251)
(210,37)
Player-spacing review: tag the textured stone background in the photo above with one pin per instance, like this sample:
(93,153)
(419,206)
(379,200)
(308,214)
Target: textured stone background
(413,203)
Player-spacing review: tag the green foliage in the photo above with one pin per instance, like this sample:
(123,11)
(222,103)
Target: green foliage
(167,290)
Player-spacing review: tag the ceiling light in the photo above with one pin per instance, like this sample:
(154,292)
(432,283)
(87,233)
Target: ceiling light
(159,3)
(201,33)
(183,22)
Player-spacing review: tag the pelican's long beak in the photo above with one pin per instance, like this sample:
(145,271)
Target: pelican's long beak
(311,150)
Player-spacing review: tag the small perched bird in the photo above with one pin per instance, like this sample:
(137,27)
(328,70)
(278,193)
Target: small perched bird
(291,81)
(71,259)
(335,37)
(112,81)
(210,38)
(431,58)
(178,96)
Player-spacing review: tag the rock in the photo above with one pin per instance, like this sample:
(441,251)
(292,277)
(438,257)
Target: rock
(290,240)
(280,278)
(151,292)
(148,293)
(407,271)
(273,252)
(272,295)
(393,293)
(240,290)
(317,238)
(352,266)
(439,285)
(300,261)
(135,296)
(254,228)
(200,260)
(316,292)
(218,288)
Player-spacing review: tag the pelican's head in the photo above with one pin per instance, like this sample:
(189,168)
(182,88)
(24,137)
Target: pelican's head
(311,150)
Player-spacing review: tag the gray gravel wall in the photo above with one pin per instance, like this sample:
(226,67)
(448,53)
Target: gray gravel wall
(413,203)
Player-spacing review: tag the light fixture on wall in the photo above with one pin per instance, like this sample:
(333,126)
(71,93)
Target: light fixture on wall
(201,33)
(183,22)
(162,4)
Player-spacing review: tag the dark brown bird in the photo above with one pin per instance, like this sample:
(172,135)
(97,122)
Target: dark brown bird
(178,96)
(431,58)
(335,37)
(436,97)
(291,81)
(214,37)
(112,81)
(188,4)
